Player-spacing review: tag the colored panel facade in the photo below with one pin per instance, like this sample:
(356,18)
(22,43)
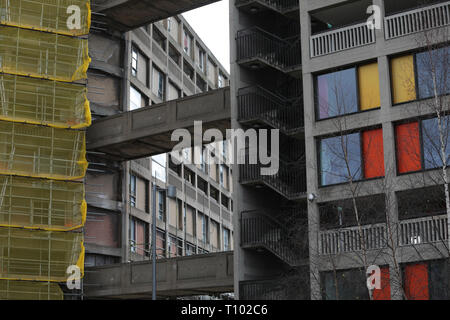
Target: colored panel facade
(408,147)
(369,86)
(403,79)
(373,155)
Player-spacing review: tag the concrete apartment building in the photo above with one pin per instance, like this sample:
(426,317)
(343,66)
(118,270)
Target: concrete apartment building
(150,65)
(369,189)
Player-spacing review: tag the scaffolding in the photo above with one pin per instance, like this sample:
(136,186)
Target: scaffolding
(41,204)
(36,255)
(43,117)
(51,103)
(27,290)
(43,55)
(47,15)
(42,152)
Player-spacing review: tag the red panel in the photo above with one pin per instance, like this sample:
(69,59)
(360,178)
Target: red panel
(416,282)
(408,147)
(373,154)
(384,293)
(140,237)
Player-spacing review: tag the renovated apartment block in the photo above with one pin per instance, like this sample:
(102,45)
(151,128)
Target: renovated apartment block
(363,120)
(372,100)
(150,65)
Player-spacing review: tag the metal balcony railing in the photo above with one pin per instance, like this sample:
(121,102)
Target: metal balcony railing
(260,230)
(279,5)
(271,289)
(351,240)
(289,181)
(257,103)
(423,230)
(341,39)
(417,20)
(255,43)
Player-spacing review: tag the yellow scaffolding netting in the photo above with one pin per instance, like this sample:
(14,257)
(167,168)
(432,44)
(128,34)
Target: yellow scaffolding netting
(42,152)
(29,290)
(45,102)
(43,55)
(69,17)
(41,204)
(36,255)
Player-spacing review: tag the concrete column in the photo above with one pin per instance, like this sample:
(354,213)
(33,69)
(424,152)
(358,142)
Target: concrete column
(390,177)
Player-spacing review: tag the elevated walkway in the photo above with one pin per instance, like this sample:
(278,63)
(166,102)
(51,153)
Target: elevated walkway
(183,276)
(147,131)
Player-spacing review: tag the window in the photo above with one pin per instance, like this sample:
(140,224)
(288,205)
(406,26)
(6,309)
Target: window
(161,206)
(426,280)
(159,167)
(175,247)
(188,70)
(190,249)
(344,285)
(201,59)
(225,200)
(204,222)
(187,43)
(173,28)
(413,74)
(214,193)
(338,92)
(160,243)
(202,185)
(159,38)
(173,92)
(221,169)
(201,84)
(132,235)
(134,62)
(221,80)
(419,146)
(189,176)
(158,83)
(174,55)
(135,99)
(226,239)
(133,190)
(351,157)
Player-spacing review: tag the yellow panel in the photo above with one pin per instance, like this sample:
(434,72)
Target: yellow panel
(369,86)
(42,152)
(43,55)
(45,102)
(38,255)
(41,203)
(403,79)
(47,15)
(29,290)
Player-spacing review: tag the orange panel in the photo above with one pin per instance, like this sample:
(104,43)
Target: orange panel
(385,292)
(408,147)
(373,154)
(416,282)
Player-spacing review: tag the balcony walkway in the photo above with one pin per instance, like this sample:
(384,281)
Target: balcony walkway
(147,131)
(176,277)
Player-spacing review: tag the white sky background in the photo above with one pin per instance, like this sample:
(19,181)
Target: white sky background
(211,23)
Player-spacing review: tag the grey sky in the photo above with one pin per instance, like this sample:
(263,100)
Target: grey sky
(211,23)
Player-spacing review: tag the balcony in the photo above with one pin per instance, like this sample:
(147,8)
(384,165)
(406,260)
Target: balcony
(281,288)
(259,230)
(285,7)
(423,230)
(341,39)
(258,48)
(289,181)
(352,239)
(258,105)
(417,20)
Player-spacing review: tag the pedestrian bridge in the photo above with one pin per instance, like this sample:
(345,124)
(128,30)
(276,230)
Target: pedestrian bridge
(147,131)
(176,277)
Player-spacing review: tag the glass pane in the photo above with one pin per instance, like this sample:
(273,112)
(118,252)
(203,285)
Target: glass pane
(135,99)
(337,94)
(430,65)
(403,80)
(432,153)
(340,159)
